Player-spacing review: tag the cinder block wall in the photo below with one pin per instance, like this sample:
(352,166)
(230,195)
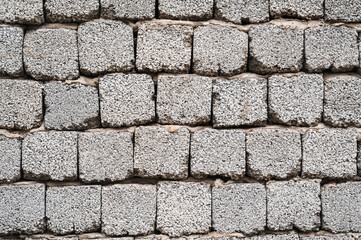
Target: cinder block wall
(180,119)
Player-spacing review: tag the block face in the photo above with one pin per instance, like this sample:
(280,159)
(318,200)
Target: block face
(22,11)
(127,9)
(66,11)
(293,204)
(186,9)
(164,48)
(240,102)
(73,209)
(273,153)
(10,159)
(275,49)
(347,11)
(308,10)
(161,152)
(296,100)
(22,209)
(330,47)
(11,51)
(105,156)
(71,106)
(184,99)
(51,54)
(129,209)
(105,46)
(20,96)
(288,236)
(219,50)
(126,100)
(50,156)
(329,153)
(239,208)
(242,11)
(341,210)
(184,208)
(218,153)
(342,101)
(326,237)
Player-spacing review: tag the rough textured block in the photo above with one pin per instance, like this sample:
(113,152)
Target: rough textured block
(296,100)
(311,9)
(11,51)
(20,96)
(21,11)
(22,209)
(341,210)
(342,11)
(342,101)
(51,54)
(184,208)
(359,158)
(239,102)
(275,49)
(218,153)
(287,236)
(126,100)
(161,152)
(164,48)
(219,50)
(105,156)
(71,10)
(133,10)
(129,209)
(71,106)
(273,153)
(105,46)
(329,153)
(293,204)
(242,11)
(239,208)
(10,159)
(328,237)
(73,209)
(50,237)
(330,47)
(184,99)
(186,9)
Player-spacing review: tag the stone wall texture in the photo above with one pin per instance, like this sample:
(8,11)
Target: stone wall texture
(180,119)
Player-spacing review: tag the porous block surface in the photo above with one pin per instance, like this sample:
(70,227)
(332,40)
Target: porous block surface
(287,236)
(11,51)
(128,9)
(10,159)
(346,11)
(311,9)
(22,11)
(186,9)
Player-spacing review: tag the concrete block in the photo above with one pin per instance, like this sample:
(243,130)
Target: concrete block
(186,9)
(308,10)
(21,12)
(286,236)
(328,237)
(345,11)
(10,159)
(127,9)
(11,51)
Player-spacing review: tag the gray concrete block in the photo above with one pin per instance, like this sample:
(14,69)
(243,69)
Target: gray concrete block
(341,210)
(73,209)
(331,47)
(344,11)
(161,152)
(296,100)
(286,236)
(22,209)
(184,99)
(218,153)
(10,159)
(126,100)
(50,237)
(293,204)
(129,209)
(240,102)
(186,9)
(22,12)
(20,96)
(239,207)
(164,47)
(51,54)
(328,237)
(273,153)
(342,101)
(133,10)
(329,153)
(71,11)
(105,156)
(71,106)
(11,51)
(275,49)
(184,208)
(242,11)
(105,46)
(50,156)
(312,9)
(219,50)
